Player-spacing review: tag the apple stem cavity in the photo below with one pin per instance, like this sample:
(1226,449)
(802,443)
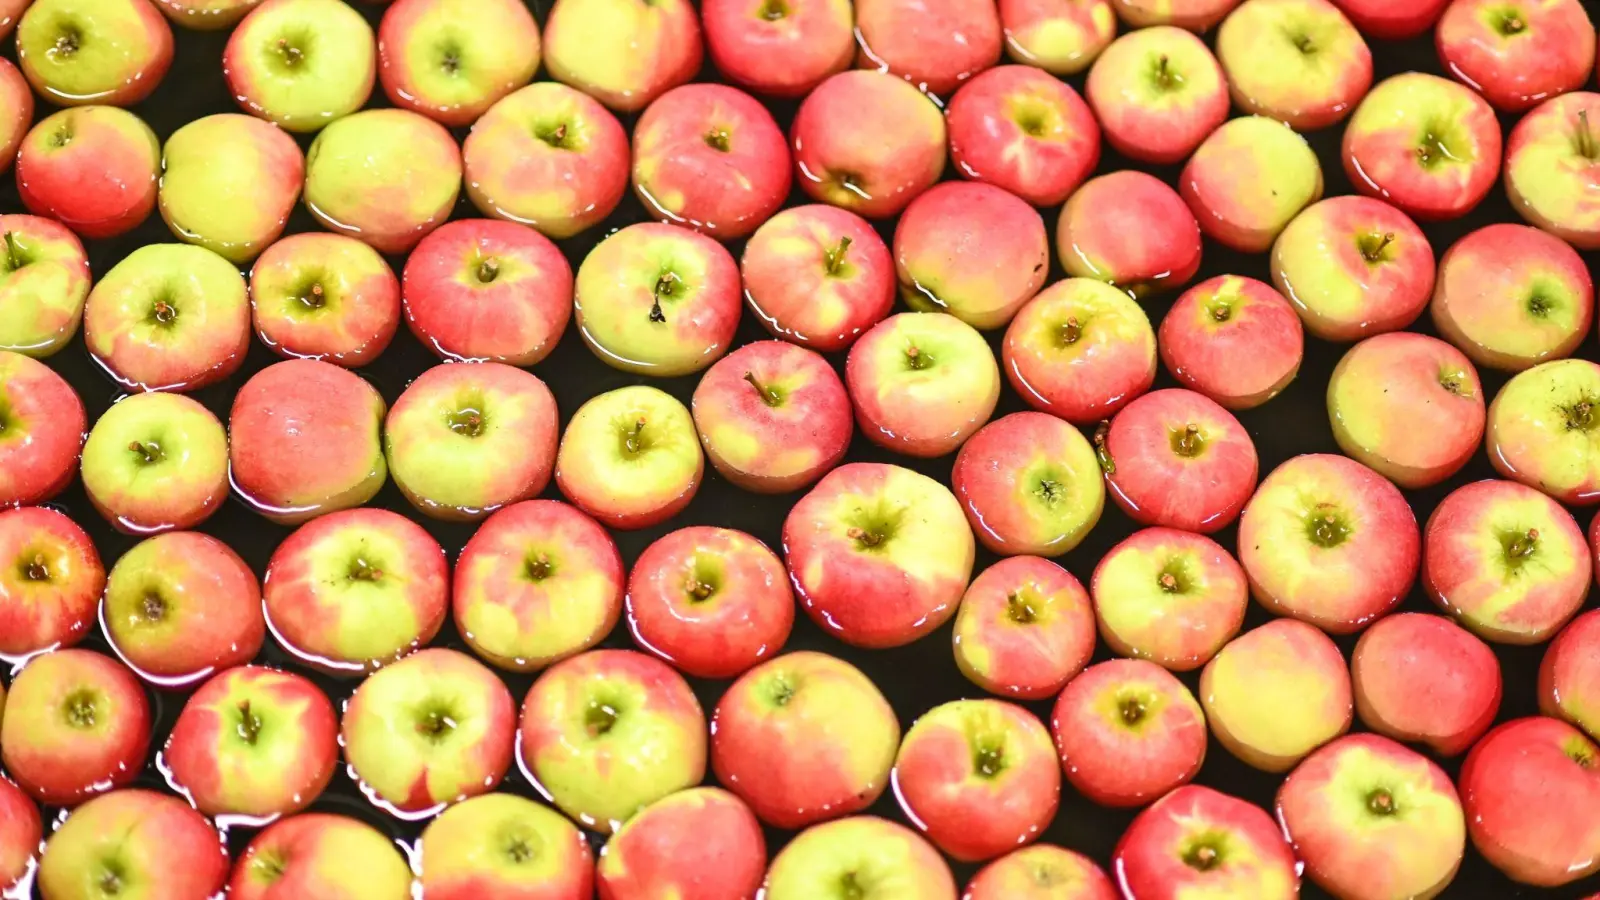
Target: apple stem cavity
(435,724)
(600,718)
(361,570)
(292,55)
(81,710)
(249,724)
(773,10)
(1511,22)
(1586,145)
(1381,802)
(466,422)
(865,538)
(1168,582)
(1132,710)
(834,256)
(665,286)
(1019,610)
(1102,453)
(1328,531)
(1304,44)
(634,442)
(555,137)
(1188,443)
(165,312)
(989,761)
(850,888)
(313,297)
(719,140)
(539,567)
(1522,546)
(37,569)
(149,451)
(769,396)
(1373,246)
(1070,332)
(1166,79)
(1204,858)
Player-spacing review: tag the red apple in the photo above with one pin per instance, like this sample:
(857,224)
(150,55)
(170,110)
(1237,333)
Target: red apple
(503,846)
(44,281)
(1233,339)
(702,843)
(324,296)
(1248,179)
(1550,171)
(1168,596)
(1157,92)
(1061,37)
(868,142)
(818,276)
(1517,55)
(782,48)
(77,724)
(1196,841)
(1041,872)
(934,44)
(16,100)
(857,855)
(922,383)
(133,842)
(971,250)
(1542,430)
(1024,628)
(1176,459)
(1298,61)
(630,457)
(1080,350)
(1020,129)
(1030,483)
(50,582)
(1131,230)
(94,169)
(1392,21)
(315,855)
(20,835)
(1424,679)
(1128,731)
(1569,676)
(42,426)
(620,54)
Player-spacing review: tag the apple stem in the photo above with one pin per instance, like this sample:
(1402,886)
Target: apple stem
(916,359)
(664,287)
(1586,142)
(1163,73)
(1374,252)
(15,258)
(37,570)
(1189,443)
(488,270)
(291,54)
(768,396)
(1072,331)
(1102,453)
(1381,802)
(1523,546)
(147,452)
(718,140)
(698,589)
(314,297)
(866,538)
(560,134)
(634,443)
(249,723)
(1132,710)
(834,256)
(164,312)
(1205,858)
(1512,24)
(1222,312)
(1169,583)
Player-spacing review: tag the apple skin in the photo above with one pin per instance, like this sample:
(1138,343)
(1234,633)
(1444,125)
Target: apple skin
(1392,21)
(1275,693)
(127,48)
(1520,55)
(701,843)
(273,69)
(635,477)
(1271,74)
(1029,483)
(972,250)
(1542,426)
(1371,818)
(44,281)
(77,724)
(324,296)
(304,440)
(1353,267)
(420,45)
(1233,339)
(549,157)
(1329,541)
(1150,116)
(1041,872)
(1472,562)
(155,462)
(978,777)
(803,738)
(1178,460)
(1157,857)
(42,608)
(935,45)
(253,742)
(710,157)
(1081,350)
(922,383)
(818,276)
(1529,789)
(773,417)
(622,54)
(649,742)
(229,183)
(1511,297)
(538,582)
(506,846)
(1130,230)
(867,141)
(1390,152)
(94,169)
(1021,130)
(16,103)
(1549,175)
(1060,38)
(780,50)
(356,589)
(20,835)
(1128,731)
(320,855)
(866,571)
(1424,679)
(891,858)
(711,601)
(1198,16)
(142,843)
(1248,179)
(1569,675)
(205,15)
(43,431)
(1182,627)
(384,176)
(1024,629)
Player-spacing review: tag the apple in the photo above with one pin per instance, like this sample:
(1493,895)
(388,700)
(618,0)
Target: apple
(452,59)
(385,176)
(1423,679)
(1392,21)
(1024,629)
(94,169)
(21,832)
(300,64)
(1195,841)
(1128,731)
(1248,179)
(971,250)
(155,462)
(538,582)
(620,52)
(10,11)
(205,15)
(1298,61)
(1176,459)
(1552,157)
(466,440)
(1041,872)
(701,842)
(1060,36)
(1172,597)
(549,157)
(867,141)
(818,276)
(1429,146)
(320,855)
(113,52)
(504,845)
(1369,817)
(253,742)
(133,843)
(710,157)
(1080,350)
(1542,426)
(607,733)
(1569,676)
(44,281)
(803,738)
(303,440)
(77,724)
(711,601)
(780,48)
(50,582)
(630,457)
(1157,93)
(1233,339)
(1329,541)
(1020,129)
(1517,55)
(238,207)
(922,383)
(1353,267)
(1529,789)
(324,296)
(1275,693)
(978,778)
(860,857)
(1130,230)
(480,290)
(42,422)
(935,45)
(879,555)
(1029,483)
(1194,15)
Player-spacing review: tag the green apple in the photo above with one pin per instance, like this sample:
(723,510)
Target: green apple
(111,52)
(301,64)
(630,457)
(386,176)
(1544,430)
(228,183)
(155,462)
(860,858)
(452,59)
(501,845)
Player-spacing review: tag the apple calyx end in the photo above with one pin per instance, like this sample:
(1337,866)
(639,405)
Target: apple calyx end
(539,567)
(292,56)
(774,10)
(989,760)
(1168,582)
(1581,416)
(1132,710)
(164,312)
(435,724)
